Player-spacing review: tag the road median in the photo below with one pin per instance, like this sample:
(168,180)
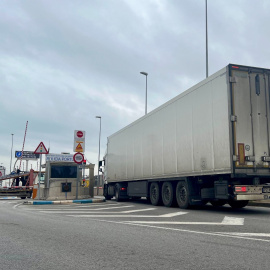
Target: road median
(83,201)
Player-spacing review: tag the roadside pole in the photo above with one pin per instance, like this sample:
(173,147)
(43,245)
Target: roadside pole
(39,176)
(41,149)
(78,158)
(77,181)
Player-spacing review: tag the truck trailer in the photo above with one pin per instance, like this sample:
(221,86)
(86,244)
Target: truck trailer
(208,144)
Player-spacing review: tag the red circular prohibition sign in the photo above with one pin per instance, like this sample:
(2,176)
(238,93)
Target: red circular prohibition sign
(78,158)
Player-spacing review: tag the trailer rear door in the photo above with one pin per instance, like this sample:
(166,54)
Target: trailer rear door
(250,119)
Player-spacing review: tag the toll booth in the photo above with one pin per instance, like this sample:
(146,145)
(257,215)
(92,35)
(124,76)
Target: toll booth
(63,181)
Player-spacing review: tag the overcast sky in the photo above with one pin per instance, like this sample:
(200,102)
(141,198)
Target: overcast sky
(64,62)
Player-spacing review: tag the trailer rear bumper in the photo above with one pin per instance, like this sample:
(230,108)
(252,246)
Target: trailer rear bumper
(252,197)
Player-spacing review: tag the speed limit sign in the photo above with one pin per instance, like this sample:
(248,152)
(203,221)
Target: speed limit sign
(78,158)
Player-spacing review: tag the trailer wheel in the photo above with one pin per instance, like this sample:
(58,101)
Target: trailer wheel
(238,204)
(167,194)
(105,193)
(182,195)
(23,198)
(155,197)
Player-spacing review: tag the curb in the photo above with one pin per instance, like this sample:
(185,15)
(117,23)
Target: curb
(65,201)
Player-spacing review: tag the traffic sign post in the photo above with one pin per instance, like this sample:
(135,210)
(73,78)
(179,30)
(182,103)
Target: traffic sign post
(79,141)
(41,149)
(78,158)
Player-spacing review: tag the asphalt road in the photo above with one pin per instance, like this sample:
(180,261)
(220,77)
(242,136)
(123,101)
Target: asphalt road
(132,235)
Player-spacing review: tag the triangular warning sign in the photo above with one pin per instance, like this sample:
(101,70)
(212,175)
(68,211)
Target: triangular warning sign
(79,148)
(41,149)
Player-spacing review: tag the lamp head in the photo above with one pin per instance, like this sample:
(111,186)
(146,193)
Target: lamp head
(144,73)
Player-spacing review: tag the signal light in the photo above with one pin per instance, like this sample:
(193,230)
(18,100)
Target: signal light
(84,162)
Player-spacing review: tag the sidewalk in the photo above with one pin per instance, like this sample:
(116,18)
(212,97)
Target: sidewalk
(96,199)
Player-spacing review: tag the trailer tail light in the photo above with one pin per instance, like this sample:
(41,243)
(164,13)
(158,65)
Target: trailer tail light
(235,67)
(241,189)
(123,188)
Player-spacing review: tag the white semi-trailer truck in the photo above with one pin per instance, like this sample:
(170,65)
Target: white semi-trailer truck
(209,144)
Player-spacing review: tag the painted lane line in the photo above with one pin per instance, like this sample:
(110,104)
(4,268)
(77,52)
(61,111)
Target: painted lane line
(230,221)
(183,230)
(173,214)
(138,210)
(233,221)
(106,208)
(92,205)
(90,209)
(15,206)
(116,216)
(246,234)
(90,213)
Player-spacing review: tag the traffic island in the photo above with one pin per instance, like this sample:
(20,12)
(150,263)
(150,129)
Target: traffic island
(94,200)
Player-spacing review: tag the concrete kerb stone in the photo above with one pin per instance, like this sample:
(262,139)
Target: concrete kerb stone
(65,201)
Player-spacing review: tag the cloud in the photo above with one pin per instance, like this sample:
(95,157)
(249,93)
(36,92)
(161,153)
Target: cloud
(64,62)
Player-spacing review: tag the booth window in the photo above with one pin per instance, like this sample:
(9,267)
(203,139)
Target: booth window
(63,171)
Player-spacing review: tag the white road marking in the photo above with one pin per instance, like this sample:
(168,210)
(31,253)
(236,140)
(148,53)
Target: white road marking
(94,211)
(56,210)
(233,221)
(138,210)
(93,205)
(121,216)
(246,234)
(183,230)
(106,208)
(173,214)
(15,206)
(226,221)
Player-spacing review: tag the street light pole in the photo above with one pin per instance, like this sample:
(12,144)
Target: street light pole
(206,38)
(145,74)
(11,154)
(98,151)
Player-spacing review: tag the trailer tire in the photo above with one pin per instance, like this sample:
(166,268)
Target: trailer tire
(167,194)
(155,197)
(105,193)
(182,195)
(238,204)
(23,198)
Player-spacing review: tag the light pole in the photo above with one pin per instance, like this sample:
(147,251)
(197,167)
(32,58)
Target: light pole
(98,151)
(11,153)
(206,38)
(145,74)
